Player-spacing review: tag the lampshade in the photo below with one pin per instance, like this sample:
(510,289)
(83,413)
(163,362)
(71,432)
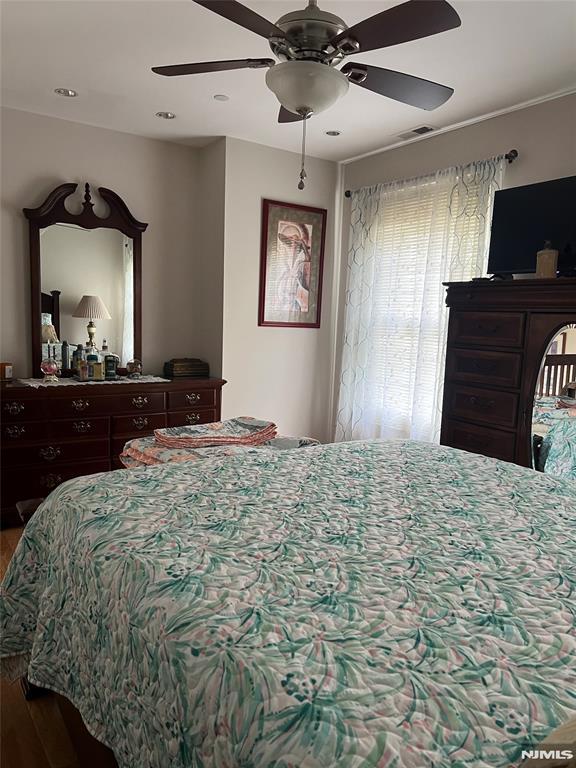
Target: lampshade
(306,86)
(49,335)
(93,308)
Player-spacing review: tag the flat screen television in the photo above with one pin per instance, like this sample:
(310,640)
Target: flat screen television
(524,218)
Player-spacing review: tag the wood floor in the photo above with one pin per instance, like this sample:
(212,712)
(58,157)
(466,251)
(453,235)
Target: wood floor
(67,743)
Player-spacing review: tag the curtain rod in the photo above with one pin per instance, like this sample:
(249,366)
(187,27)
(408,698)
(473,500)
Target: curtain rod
(510,156)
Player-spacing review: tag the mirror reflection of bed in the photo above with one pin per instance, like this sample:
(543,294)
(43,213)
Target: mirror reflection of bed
(554,414)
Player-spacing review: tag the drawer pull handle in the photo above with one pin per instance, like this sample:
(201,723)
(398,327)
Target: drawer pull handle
(50,481)
(139,402)
(50,453)
(80,405)
(14,408)
(481,402)
(82,427)
(140,422)
(192,418)
(194,397)
(14,431)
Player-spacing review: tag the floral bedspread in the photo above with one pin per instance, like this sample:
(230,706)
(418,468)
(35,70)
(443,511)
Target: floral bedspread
(360,605)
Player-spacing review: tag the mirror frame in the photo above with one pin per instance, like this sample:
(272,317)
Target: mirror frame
(54,211)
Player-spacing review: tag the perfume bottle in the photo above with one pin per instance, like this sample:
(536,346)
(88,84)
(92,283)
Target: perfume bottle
(65,355)
(111,363)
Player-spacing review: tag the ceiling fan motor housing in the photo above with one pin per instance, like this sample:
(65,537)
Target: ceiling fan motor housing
(308,35)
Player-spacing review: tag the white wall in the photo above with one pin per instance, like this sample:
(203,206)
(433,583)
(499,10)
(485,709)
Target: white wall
(208,279)
(544,135)
(157,180)
(281,374)
(570,341)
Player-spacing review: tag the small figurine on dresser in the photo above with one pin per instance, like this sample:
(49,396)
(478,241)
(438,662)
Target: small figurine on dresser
(547,261)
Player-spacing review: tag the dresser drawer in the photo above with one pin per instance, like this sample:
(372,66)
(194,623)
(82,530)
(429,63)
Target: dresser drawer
(143,423)
(190,418)
(16,409)
(54,452)
(78,428)
(488,442)
(499,369)
(485,405)
(86,405)
(192,398)
(14,434)
(495,329)
(22,483)
(27,431)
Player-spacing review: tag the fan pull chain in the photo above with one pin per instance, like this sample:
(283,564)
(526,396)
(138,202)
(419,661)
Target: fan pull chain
(301,183)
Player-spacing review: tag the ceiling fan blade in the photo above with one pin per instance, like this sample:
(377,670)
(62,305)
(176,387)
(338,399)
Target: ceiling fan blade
(240,14)
(212,66)
(409,21)
(398,85)
(285,116)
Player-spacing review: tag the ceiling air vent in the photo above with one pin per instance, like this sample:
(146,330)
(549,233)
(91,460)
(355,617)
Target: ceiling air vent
(416,132)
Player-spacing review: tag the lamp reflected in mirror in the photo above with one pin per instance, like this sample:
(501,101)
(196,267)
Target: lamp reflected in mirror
(91,308)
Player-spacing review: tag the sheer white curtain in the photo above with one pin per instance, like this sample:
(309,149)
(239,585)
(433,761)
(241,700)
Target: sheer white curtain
(127,352)
(406,238)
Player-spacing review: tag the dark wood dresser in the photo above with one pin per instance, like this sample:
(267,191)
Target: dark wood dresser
(497,338)
(52,434)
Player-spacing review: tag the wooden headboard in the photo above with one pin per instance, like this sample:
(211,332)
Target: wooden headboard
(51,304)
(557,371)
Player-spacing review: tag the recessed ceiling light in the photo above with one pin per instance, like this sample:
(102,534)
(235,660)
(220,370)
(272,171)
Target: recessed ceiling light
(166,115)
(333,133)
(221,97)
(66,92)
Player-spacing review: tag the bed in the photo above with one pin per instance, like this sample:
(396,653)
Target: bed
(554,435)
(358,605)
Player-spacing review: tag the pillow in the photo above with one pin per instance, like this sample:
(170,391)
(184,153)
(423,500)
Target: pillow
(559,447)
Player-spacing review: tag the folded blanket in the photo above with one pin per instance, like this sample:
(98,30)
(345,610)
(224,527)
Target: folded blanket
(145,451)
(243,430)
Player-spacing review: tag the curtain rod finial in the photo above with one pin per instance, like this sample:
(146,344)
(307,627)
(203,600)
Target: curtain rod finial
(512,155)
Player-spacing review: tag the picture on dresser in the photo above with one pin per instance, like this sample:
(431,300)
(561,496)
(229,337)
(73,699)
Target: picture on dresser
(292,256)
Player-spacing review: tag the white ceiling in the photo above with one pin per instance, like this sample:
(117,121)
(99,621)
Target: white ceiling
(505,53)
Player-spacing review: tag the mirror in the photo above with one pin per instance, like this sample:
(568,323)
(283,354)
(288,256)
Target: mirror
(86,277)
(76,262)
(554,413)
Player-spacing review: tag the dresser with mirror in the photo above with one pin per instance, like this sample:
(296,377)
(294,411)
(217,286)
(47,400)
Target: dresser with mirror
(86,287)
(511,369)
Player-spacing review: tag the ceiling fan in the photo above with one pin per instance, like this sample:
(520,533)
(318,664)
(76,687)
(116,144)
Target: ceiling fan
(311,43)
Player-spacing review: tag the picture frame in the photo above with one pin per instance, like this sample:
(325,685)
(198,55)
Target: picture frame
(291,265)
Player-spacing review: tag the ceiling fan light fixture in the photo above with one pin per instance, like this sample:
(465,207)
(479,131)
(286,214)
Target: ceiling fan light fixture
(304,87)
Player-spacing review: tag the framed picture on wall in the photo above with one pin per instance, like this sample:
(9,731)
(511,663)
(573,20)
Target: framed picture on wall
(291,264)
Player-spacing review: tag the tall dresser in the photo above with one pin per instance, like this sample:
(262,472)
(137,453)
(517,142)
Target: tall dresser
(52,434)
(497,338)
